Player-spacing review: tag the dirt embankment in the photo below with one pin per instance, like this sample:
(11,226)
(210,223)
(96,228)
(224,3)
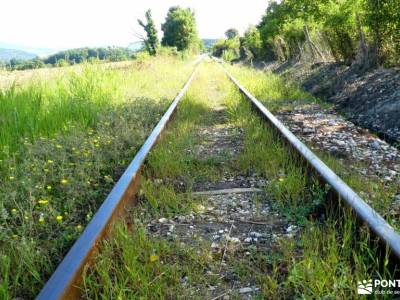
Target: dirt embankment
(371,100)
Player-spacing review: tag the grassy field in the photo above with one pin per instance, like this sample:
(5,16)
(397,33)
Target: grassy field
(64,140)
(325,261)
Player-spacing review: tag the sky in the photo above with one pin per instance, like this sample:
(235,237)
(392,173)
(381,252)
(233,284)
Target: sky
(60,24)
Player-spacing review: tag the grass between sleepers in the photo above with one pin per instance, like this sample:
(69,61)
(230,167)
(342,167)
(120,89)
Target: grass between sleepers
(325,261)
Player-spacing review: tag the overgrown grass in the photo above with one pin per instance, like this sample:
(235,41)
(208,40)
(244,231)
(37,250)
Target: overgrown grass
(324,261)
(278,95)
(44,107)
(66,143)
(171,170)
(332,252)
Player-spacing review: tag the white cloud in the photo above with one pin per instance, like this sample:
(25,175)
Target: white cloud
(77,23)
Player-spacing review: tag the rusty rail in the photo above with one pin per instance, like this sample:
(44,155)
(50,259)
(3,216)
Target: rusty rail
(364,212)
(64,282)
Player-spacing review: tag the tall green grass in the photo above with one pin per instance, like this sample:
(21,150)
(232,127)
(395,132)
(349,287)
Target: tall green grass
(64,144)
(42,108)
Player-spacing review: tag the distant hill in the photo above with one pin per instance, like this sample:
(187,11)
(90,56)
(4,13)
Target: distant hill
(8,54)
(33,50)
(208,43)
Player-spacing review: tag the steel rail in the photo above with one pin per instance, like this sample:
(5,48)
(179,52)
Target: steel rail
(365,212)
(64,282)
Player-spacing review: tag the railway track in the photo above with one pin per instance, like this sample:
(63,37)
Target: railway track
(66,281)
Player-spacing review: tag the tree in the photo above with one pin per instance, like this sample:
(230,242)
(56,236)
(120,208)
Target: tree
(151,42)
(231,33)
(252,41)
(180,29)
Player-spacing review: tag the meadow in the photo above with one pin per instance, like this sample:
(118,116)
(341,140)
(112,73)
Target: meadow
(64,141)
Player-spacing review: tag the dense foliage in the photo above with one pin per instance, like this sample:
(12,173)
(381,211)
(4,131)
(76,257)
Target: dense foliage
(151,42)
(365,33)
(180,29)
(232,33)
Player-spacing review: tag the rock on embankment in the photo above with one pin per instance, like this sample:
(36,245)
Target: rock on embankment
(371,100)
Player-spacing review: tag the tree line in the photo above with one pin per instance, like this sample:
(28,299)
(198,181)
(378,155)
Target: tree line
(71,57)
(363,33)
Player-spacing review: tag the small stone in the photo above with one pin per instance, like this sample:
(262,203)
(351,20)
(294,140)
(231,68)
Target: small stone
(375,145)
(308,130)
(255,234)
(340,143)
(199,209)
(162,220)
(248,240)
(291,228)
(233,239)
(245,290)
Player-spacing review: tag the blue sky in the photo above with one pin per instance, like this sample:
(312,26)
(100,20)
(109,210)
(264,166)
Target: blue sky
(77,23)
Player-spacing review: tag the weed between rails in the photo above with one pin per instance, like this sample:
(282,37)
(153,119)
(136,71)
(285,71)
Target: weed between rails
(325,259)
(58,174)
(154,268)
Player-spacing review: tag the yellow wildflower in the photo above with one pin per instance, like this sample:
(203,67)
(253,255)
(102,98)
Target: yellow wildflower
(41,219)
(14,210)
(43,202)
(281,179)
(64,181)
(79,227)
(59,218)
(154,258)
(11,177)
(58,146)
(49,187)
(50,161)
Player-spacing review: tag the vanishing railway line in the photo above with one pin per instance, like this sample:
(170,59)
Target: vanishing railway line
(66,280)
